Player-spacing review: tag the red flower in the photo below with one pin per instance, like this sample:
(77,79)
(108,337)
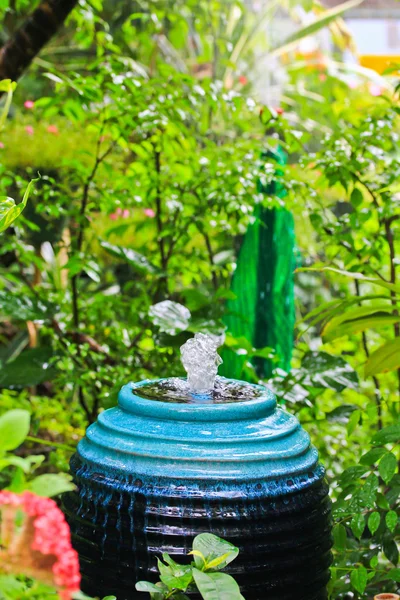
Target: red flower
(243,79)
(51,536)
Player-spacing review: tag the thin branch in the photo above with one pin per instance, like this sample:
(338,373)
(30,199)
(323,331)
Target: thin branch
(211,259)
(367,354)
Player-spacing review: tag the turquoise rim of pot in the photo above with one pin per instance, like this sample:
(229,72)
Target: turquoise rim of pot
(130,402)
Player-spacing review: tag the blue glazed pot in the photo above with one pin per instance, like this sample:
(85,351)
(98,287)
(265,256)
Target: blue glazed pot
(153,474)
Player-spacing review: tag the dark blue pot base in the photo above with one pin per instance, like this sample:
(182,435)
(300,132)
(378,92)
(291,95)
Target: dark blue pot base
(151,476)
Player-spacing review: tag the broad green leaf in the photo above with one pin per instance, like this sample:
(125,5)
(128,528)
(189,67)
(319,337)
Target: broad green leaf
(358,525)
(170,317)
(372,456)
(340,537)
(355,314)
(14,427)
(374,520)
(386,358)
(359,579)
(24,308)
(391,550)
(394,574)
(51,484)
(388,434)
(146,586)
(341,413)
(325,19)
(216,586)
(130,256)
(175,576)
(327,371)
(9,211)
(387,467)
(391,520)
(353,422)
(213,547)
(358,325)
(31,367)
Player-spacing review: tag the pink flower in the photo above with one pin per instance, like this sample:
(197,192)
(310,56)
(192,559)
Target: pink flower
(53,129)
(113,216)
(125,213)
(51,537)
(29,130)
(243,79)
(279,110)
(29,104)
(149,212)
(322,77)
(1,145)
(375,89)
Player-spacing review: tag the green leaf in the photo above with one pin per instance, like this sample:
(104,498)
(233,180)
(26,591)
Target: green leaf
(391,520)
(372,456)
(22,308)
(358,525)
(174,576)
(359,276)
(327,17)
(170,317)
(388,434)
(9,211)
(14,427)
(386,358)
(387,467)
(374,520)
(146,586)
(213,547)
(49,484)
(353,422)
(359,579)
(216,586)
(130,256)
(326,371)
(394,574)
(390,550)
(358,325)
(355,315)
(356,197)
(340,537)
(341,413)
(32,367)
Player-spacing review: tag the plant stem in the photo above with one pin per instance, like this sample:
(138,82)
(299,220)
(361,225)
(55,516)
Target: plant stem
(392,264)
(211,258)
(367,353)
(30,438)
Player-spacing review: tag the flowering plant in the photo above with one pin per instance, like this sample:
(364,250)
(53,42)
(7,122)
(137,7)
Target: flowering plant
(35,540)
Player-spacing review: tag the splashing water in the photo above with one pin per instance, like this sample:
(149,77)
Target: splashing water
(200,358)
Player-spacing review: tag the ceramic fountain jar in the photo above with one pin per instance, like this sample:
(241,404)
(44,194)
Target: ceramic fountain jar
(166,465)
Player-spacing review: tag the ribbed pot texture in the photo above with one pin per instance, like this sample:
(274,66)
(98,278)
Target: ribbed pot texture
(151,475)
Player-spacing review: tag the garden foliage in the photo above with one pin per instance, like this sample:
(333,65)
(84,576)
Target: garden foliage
(141,123)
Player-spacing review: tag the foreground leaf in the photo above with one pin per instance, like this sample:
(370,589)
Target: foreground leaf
(14,427)
(386,358)
(9,211)
(212,548)
(217,586)
(32,367)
